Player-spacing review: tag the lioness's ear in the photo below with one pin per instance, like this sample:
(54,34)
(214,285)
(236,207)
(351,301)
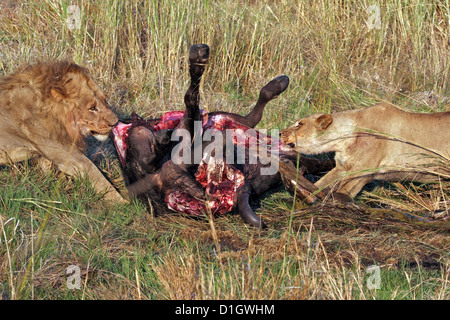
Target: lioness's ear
(324,121)
(56,94)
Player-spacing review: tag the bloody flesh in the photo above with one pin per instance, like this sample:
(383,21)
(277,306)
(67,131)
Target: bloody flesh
(219,179)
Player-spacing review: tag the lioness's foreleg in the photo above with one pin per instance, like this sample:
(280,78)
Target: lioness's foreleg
(329,181)
(342,184)
(351,186)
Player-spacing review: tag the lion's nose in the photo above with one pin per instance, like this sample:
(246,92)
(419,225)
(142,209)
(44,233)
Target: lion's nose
(113,120)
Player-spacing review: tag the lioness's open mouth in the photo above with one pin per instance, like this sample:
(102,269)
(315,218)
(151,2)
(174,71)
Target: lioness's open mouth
(287,147)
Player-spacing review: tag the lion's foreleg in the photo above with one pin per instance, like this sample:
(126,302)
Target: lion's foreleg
(16,155)
(74,163)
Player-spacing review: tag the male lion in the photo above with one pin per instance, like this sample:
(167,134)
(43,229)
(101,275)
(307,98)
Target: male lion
(46,111)
(379,142)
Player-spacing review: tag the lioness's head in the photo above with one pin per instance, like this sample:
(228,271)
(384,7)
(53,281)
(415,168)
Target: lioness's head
(87,112)
(307,135)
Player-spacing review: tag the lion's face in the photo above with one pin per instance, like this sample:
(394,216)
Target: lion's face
(95,116)
(90,114)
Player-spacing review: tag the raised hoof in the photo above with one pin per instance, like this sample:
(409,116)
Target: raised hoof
(199,54)
(274,87)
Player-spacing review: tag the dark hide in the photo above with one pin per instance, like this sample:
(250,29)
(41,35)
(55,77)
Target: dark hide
(152,175)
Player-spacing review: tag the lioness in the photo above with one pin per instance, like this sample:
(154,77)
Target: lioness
(379,142)
(46,111)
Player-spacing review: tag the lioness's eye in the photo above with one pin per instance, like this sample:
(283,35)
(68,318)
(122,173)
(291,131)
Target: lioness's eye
(299,124)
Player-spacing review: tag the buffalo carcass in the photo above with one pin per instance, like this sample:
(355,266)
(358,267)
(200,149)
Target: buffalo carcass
(210,169)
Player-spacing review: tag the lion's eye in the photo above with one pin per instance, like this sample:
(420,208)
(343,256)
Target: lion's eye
(299,124)
(93,108)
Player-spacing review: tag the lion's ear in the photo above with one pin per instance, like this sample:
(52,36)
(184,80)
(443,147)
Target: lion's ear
(324,121)
(56,94)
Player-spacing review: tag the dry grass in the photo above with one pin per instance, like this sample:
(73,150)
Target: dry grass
(138,51)
(324,254)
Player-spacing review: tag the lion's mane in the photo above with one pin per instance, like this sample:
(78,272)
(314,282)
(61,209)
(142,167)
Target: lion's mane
(26,94)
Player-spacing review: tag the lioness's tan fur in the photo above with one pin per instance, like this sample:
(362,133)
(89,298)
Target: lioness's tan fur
(46,111)
(378,142)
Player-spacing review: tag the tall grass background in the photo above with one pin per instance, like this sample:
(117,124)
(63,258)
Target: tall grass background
(137,52)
